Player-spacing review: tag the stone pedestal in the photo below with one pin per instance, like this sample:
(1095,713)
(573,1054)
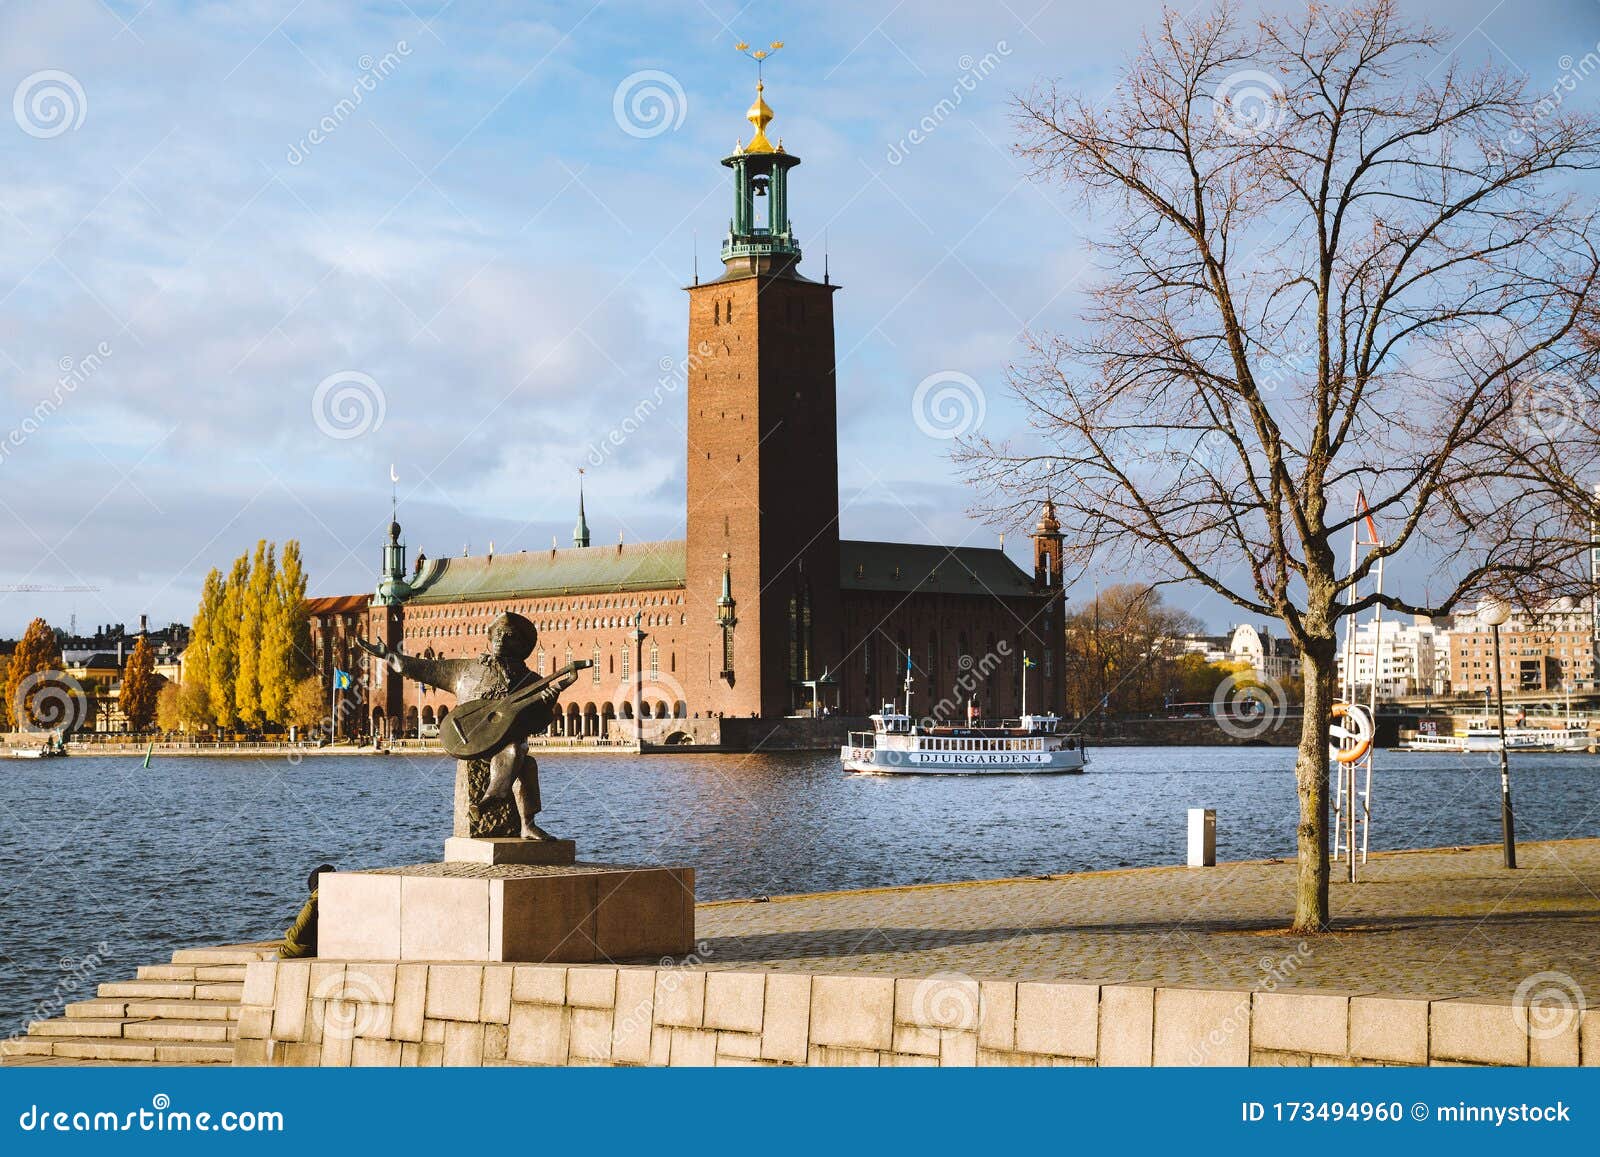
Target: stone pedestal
(509,850)
(529,913)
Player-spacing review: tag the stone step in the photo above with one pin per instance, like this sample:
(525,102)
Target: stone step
(26,1046)
(93,1049)
(182,1031)
(147,989)
(228,954)
(182,1009)
(226,973)
(166,971)
(233,992)
(81,1026)
(98,1008)
(194,1054)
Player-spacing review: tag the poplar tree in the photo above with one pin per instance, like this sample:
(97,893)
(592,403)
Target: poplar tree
(253,614)
(194,697)
(286,637)
(224,638)
(137,697)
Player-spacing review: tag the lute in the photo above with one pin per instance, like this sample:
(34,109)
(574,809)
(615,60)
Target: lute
(480,727)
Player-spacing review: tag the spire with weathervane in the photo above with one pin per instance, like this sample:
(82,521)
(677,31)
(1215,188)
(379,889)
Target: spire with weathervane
(580,530)
(760,237)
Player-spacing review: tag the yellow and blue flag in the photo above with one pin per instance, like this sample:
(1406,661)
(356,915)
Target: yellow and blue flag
(341,680)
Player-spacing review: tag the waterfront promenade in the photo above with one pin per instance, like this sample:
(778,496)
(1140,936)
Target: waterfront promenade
(1440,921)
(1446,935)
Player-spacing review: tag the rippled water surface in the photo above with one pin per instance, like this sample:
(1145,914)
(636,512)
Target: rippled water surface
(98,851)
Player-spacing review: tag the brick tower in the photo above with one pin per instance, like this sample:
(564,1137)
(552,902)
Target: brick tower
(762,539)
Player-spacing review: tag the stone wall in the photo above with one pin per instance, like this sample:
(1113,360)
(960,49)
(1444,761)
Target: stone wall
(330,1013)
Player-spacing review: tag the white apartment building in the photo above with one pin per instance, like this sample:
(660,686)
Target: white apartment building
(1412,659)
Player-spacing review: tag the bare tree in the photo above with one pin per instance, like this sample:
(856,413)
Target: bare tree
(1335,260)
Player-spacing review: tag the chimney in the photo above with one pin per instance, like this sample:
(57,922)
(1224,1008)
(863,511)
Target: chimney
(144,624)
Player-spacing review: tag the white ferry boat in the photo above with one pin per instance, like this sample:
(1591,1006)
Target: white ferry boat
(1480,736)
(897,745)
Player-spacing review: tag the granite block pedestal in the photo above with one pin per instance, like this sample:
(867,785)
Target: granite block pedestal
(526,901)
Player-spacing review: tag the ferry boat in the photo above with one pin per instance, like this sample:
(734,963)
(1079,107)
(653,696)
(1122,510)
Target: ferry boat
(1480,737)
(897,745)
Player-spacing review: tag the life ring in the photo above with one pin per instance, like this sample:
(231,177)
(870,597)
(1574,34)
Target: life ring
(1357,727)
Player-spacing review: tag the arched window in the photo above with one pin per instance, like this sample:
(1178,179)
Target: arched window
(538,663)
(627,663)
(594,656)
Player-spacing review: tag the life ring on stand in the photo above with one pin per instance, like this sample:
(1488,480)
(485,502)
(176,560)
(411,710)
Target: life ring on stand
(1356,730)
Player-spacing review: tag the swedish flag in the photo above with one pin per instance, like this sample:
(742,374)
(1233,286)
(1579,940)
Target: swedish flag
(341,680)
(1028,663)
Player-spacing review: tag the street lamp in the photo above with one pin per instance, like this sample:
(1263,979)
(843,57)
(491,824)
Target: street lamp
(1495,611)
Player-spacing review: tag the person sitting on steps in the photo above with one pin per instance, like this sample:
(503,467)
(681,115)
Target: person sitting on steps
(300,939)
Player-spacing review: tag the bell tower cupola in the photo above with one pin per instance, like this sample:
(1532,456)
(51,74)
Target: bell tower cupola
(760,236)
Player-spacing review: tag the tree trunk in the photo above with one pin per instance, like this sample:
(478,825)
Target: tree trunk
(1311,785)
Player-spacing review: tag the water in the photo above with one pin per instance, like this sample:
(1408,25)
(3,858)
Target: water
(106,866)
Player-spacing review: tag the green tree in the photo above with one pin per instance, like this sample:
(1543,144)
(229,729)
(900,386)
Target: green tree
(140,686)
(223,636)
(253,613)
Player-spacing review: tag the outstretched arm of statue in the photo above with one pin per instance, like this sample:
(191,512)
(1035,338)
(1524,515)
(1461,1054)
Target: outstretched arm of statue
(440,673)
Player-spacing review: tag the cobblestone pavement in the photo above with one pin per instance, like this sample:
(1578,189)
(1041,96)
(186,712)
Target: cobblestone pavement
(1439,923)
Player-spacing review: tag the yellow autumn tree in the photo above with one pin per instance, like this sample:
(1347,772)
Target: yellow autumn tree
(224,635)
(285,637)
(254,610)
(36,699)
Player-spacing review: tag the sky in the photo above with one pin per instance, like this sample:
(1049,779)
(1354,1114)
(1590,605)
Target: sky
(254,254)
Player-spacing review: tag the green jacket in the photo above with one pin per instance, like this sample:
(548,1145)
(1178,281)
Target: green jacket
(301,937)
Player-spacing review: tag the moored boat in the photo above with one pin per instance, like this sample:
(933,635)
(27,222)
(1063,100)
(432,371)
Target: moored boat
(897,745)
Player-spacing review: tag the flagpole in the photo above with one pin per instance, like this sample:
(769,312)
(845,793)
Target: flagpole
(333,710)
(1024,683)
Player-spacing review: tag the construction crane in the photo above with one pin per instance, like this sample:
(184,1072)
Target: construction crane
(41,588)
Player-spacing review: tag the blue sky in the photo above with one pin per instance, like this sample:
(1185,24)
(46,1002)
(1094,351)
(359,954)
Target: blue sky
(489,248)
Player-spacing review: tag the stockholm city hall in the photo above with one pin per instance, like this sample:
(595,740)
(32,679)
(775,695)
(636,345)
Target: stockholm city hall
(761,609)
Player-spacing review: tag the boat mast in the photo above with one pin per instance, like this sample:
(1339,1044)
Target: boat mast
(1024,684)
(908,682)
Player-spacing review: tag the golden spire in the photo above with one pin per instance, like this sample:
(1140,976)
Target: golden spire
(760,113)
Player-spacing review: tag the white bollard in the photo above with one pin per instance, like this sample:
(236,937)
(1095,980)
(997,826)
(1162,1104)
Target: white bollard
(1202,837)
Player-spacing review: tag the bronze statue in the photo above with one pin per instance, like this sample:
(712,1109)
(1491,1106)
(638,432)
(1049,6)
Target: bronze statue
(497,781)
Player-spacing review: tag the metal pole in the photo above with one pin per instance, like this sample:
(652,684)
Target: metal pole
(638,681)
(1507,827)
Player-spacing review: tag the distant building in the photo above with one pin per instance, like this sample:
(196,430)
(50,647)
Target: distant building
(1550,648)
(1403,657)
(761,609)
(1268,656)
(96,662)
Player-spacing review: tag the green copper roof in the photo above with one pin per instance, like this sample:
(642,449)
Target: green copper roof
(546,573)
(945,570)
